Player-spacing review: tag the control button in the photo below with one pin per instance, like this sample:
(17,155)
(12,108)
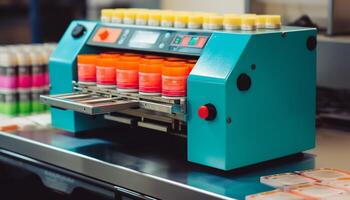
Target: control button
(78,31)
(177,40)
(103,35)
(161,45)
(193,41)
(166,35)
(107,35)
(121,41)
(243,82)
(207,112)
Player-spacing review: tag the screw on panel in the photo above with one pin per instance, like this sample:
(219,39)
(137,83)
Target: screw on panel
(284,34)
(311,43)
(243,82)
(228,120)
(253,66)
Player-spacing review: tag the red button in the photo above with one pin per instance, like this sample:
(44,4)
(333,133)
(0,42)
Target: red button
(107,35)
(103,35)
(203,112)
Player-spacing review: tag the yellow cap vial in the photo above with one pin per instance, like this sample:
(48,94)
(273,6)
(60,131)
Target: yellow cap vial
(215,22)
(206,17)
(118,15)
(181,20)
(154,18)
(260,21)
(167,19)
(141,18)
(129,16)
(106,15)
(195,21)
(273,22)
(232,22)
(248,23)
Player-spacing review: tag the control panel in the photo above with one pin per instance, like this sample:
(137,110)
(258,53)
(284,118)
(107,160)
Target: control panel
(150,39)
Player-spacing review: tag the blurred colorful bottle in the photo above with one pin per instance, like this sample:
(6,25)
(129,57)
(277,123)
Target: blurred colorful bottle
(36,105)
(24,70)
(2,103)
(46,54)
(38,74)
(24,102)
(10,105)
(8,71)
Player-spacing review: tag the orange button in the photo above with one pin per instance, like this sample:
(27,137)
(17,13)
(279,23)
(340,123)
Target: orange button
(103,35)
(107,35)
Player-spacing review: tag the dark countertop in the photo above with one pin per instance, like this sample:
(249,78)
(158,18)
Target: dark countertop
(156,165)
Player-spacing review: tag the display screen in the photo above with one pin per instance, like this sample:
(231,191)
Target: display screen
(144,38)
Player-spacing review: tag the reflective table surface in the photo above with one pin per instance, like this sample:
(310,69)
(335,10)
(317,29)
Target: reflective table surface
(149,163)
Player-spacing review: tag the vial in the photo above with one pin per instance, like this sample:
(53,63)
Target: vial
(232,22)
(141,18)
(273,22)
(167,19)
(150,76)
(24,79)
(129,16)
(128,74)
(87,69)
(215,22)
(106,15)
(8,71)
(118,16)
(195,21)
(181,20)
(154,18)
(248,23)
(260,21)
(105,72)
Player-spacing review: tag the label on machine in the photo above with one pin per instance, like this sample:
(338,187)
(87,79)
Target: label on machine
(189,41)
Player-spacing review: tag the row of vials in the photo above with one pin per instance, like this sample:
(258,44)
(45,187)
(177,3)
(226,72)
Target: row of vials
(23,78)
(191,20)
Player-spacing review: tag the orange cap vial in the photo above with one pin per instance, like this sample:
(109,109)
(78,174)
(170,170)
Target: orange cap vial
(174,79)
(150,77)
(128,74)
(87,68)
(105,72)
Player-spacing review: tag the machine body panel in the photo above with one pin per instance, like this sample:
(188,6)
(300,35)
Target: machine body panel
(249,123)
(62,66)
(258,82)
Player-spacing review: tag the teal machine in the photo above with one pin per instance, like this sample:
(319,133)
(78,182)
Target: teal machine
(250,97)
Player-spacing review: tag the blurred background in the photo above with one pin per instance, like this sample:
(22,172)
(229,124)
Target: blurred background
(37,21)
